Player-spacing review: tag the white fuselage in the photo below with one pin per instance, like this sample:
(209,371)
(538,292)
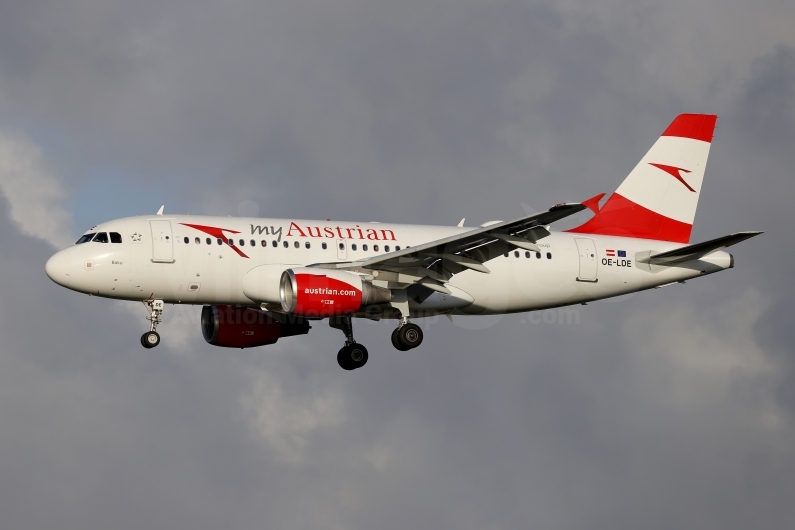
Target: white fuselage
(160,257)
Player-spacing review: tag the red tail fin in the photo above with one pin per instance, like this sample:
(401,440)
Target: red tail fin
(658,199)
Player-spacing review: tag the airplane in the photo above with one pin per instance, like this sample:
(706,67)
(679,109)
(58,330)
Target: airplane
(262,279)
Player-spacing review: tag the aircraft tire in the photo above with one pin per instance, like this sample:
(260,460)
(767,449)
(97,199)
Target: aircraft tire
(410,335)
(150,339)
(396,341)
(352,357)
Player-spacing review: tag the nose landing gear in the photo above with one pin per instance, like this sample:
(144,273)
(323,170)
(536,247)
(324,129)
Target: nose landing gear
(151,338)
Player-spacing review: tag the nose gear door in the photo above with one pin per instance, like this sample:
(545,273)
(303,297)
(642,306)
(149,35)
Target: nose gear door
(588,262)
(162,242)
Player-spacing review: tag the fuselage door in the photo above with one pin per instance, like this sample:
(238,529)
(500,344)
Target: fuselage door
(162,242)
(342,249)
(588,261)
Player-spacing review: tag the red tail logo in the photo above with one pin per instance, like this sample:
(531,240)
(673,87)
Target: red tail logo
(674,172)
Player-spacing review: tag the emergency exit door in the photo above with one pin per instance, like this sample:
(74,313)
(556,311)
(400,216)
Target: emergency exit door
(588,260)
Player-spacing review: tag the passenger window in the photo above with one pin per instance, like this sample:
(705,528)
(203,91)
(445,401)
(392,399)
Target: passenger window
(231,242)
(307,245)
(364,247)
(286,244)
(516,253)
(375,248)
(85,239)
(115,237)
(102,237)
(325,246)
(242,243)
(538,255)
(275,244)
(209,241)
(549,255)
(186,240)
(506,254)
(220,241)
(386,248)
(342,246)
(264,243)
(397,247)
(253,243)
(297,244)
(527,254)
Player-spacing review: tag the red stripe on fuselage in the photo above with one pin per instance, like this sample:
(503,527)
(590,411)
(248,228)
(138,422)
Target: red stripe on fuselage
(622,217)
(218,233)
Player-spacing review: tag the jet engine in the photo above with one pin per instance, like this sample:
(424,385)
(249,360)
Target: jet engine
(245,327)
(322,293)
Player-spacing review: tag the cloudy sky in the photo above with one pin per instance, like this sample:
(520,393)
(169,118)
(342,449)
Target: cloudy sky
(666,409)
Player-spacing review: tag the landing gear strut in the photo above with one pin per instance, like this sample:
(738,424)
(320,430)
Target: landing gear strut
(406,336)
(151,338)
(353,355)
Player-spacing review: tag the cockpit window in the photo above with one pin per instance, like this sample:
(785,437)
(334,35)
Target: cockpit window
(101,237)
(85,238)
(115,237)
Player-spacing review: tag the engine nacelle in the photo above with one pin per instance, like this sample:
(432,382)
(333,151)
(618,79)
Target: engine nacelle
(246,327)
(314,292)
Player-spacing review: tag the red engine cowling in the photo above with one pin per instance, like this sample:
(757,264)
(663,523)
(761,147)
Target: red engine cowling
(313,292)
(246,327)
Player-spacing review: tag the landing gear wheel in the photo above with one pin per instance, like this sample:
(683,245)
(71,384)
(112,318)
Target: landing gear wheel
(150,339)
(409,335)
(352,357)
(396,341)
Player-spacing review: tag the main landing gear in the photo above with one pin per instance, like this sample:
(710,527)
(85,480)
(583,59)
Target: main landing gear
(353,355)
(406,336)
(151,338)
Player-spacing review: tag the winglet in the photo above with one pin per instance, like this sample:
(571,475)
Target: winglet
(593,203)
(462,221)
(160,211)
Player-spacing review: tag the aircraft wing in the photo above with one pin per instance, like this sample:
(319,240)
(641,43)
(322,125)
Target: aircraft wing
(434,263)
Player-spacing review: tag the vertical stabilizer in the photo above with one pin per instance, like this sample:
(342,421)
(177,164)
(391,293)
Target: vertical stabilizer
(658,199)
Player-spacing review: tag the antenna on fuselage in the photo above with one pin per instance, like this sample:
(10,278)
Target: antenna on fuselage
(160,211)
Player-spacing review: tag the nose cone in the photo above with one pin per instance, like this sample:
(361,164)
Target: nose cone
(59,268)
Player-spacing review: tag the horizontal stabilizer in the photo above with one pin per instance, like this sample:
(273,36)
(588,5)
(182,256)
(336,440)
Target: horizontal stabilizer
(691,252)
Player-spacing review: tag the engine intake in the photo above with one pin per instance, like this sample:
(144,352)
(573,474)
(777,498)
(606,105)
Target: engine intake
(245,327)
(313,292)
